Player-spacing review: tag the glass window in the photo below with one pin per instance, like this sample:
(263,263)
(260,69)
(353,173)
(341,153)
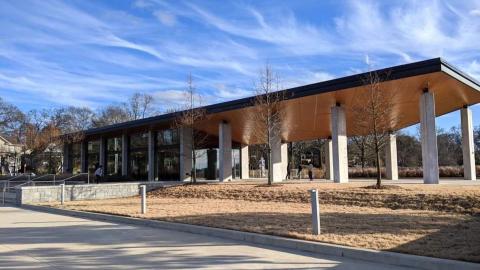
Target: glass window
(75,158)
(167,137)
(114,157)
(138,165)
(139,140)
(93,155)
(138,156)
(236,163)
(168,164)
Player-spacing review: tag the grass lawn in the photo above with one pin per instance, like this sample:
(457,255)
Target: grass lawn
(432,220)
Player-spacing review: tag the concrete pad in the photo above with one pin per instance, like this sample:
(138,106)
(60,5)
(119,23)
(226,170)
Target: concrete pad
(33,240)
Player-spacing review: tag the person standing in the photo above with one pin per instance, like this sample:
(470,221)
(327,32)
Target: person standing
(288,171)
(299,173)
(310,171)
(98,174)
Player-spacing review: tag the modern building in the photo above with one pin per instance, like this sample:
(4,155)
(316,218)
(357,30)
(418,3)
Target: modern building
(150,149)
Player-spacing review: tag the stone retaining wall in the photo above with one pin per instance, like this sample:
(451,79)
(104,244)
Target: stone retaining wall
(39,194)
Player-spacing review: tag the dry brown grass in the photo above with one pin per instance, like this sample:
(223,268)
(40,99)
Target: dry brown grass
(459,199)
(350,214)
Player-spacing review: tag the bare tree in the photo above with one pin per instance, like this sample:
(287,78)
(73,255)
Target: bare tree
(41,137)
(188,120)
(11,118)
(112,114)
(140,105)
(360,144)
(374,117)
(73,119)
(268,113)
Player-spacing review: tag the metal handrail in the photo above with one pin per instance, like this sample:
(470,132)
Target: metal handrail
(17,176)
(73,176)
(36,178)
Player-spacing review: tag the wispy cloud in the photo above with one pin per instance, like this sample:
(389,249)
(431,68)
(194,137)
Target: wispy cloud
(88,53)
(165,18)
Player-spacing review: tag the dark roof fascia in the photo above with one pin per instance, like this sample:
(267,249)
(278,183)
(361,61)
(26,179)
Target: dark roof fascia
(460,75)
(394,73)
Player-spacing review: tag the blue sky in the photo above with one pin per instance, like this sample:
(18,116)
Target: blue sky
(91,53)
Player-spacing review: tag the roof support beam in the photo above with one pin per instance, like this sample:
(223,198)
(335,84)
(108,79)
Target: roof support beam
(429,138)
(339,144)
(467,145)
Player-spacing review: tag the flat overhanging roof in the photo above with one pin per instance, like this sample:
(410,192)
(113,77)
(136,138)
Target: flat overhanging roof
(307,108)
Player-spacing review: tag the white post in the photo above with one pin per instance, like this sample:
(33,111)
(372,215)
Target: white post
(143,193)
(429,138)
(244,162)
(225,152)
(329,159)
(468,147)
(339,145)
(185,154)
(391,158)
(151,156)
(315,212)
(62,194)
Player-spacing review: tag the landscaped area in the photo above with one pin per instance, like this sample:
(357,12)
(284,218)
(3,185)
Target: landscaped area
(432,220)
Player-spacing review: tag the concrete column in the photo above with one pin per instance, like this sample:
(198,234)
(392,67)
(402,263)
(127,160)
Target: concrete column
(185,154)
(279,159)
(339,145)
(391,158)
(83,157)
(102,152)
(468,147)
(429,138)
(225,152)
(245,162)
(151,156)
(329,159)
(66,158)
(124,155)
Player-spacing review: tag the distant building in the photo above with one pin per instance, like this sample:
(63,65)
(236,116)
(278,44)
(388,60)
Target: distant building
(10,154)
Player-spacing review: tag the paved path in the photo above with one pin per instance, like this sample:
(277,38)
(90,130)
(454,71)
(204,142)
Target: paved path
(35,240)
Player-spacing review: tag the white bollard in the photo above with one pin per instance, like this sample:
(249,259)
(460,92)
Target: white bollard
(62,194)
(143,193)
(315,212)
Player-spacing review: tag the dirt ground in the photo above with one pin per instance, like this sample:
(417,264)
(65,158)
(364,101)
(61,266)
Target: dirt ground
(451,198)
(452,233)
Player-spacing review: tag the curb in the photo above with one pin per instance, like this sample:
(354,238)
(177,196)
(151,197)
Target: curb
(386,257)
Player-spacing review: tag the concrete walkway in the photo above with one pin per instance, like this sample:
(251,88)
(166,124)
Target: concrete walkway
(35,240)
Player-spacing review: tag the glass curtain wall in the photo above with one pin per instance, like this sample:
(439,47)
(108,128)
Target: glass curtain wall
(93,155)
(207,163)
(114,157)
(167,155)
(138,160)
(75,158)
(236,163)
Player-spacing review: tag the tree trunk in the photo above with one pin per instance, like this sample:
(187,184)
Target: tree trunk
(270,170)
(194,169)
(362,157)
(379,173)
